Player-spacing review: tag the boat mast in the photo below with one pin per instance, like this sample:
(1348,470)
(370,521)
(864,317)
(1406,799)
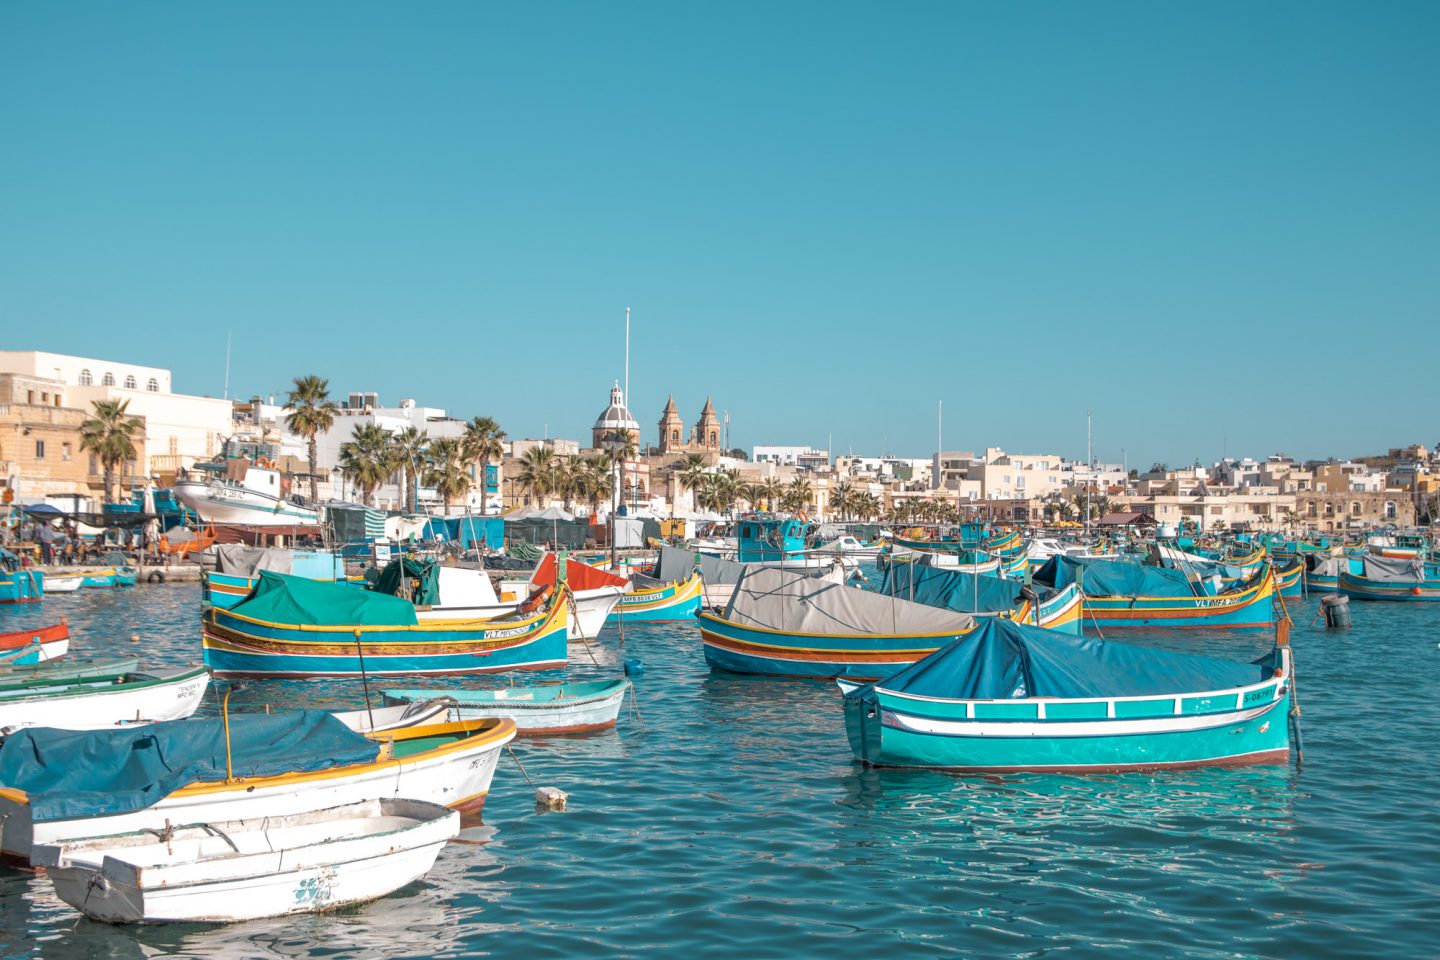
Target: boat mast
(1089,472)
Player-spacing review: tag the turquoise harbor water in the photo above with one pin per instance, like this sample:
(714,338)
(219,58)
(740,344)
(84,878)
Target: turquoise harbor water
(727,819)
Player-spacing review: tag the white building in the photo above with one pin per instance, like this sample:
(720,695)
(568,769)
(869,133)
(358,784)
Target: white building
(179,429)
(804,457)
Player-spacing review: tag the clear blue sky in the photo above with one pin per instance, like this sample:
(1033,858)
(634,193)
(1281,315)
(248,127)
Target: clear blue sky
(1215,225)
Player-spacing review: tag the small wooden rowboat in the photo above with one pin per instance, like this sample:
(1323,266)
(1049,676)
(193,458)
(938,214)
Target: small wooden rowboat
(57,583)
(106,700)
(379,719)
(246,869)
(558,708)
(35,646)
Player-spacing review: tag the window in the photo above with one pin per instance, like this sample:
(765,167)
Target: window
(129,383)
(153,386)
(674,436)
(57,399)
(108,380)
(1354,508)
(39,449)
(85,378)
(64,451)
(29,396)
(1391,512)
(44,396)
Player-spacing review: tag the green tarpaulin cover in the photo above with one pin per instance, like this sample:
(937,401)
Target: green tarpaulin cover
(422,579)
(280,598)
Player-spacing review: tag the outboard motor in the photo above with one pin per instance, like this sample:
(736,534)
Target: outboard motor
(1336,607)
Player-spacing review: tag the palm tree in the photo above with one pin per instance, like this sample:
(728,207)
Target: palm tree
(797,495)
(692,473)
(110,434)
(723,486)
(483,442)
(752,493)
(597,484)
(868,506)
(537,472)
(772,490)
(447,470)
(842,499)
(569,479)
(368,459)
(411,446)
(311,414)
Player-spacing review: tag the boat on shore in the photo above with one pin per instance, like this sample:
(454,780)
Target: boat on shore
(278,764)
(98,701)
(245,493)
(1015,698)
(38,645)
(247,869)
(536,710)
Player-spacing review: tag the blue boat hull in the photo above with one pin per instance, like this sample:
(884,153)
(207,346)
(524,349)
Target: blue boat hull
(22,586)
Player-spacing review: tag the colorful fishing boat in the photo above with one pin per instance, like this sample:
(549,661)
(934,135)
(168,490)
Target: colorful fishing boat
(1121,594)
(1387,578)
(785,623)
(983,595)
(96,702)
(595,593)
(37,645)
(294,627)
(1012,698)
(540,710)
(656,601)
(1289,577)
(18,585)
(237,569)
(775,540)
(1322,571)
(247,869)
(276,765)
(98,578)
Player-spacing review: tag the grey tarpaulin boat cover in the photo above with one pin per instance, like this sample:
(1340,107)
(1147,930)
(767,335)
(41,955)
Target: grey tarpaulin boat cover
(1394,569)
(677,564)
(240,560)
(796,602)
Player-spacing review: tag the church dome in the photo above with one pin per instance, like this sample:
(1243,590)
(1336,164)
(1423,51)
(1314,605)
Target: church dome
(617,415)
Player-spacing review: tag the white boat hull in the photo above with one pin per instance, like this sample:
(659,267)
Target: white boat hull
(459,779)
(591,609)
(103,707)
(540,719)
(62,584)
(220,503)
(282,866)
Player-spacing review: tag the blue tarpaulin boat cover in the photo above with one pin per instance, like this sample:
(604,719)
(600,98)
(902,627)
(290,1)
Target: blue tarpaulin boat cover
(1116,578)
(1003,660)
(294,601)
(951,589)
(73,773)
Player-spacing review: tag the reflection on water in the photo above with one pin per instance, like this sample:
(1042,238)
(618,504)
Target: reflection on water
(725,816)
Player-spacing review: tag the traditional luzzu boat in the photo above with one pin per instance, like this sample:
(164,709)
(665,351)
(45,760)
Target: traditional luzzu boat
(968,561)
(595,593)
(540,710)
(1121,594)
(248,869)
(1386,578)
(38,645)
(18,585)
(785,623)
(1290,577)
(1322,571)
(293,627)
(102,700)
(983,595)
(237,569)
(651,600)
(775,540)
(276,765)
(99,578)
(1012,698)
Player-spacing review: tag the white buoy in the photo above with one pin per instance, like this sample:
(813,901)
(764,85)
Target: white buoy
(551,798)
